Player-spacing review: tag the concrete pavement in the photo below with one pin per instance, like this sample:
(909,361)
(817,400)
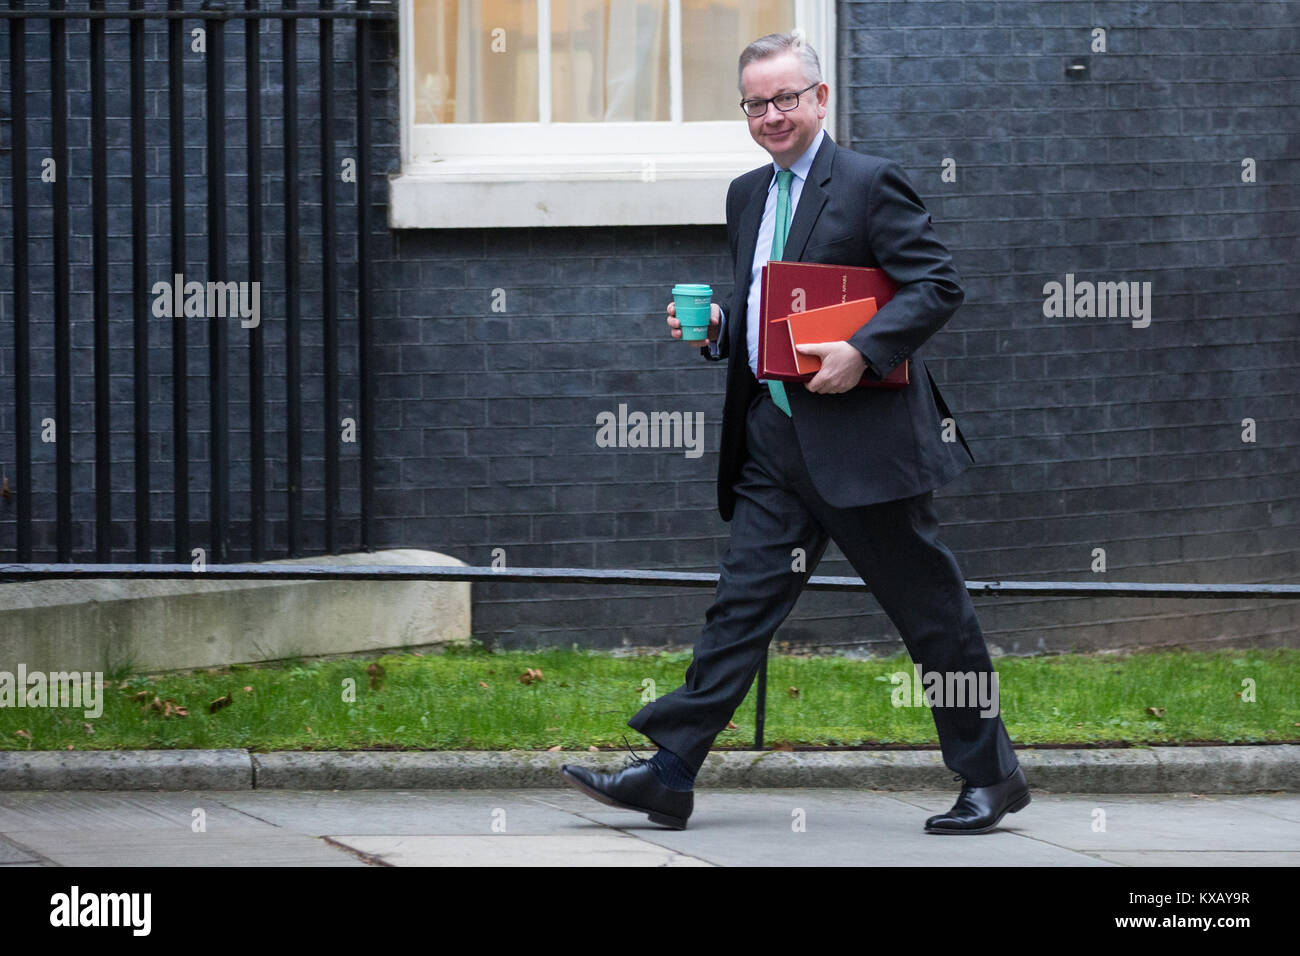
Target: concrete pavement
(768,827)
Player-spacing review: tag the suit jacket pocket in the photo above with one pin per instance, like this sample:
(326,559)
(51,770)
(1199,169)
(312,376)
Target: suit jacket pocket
(832,250)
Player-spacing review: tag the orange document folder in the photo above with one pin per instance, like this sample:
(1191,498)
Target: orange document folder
(833,323)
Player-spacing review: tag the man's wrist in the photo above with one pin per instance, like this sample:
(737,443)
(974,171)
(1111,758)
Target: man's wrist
(867,360)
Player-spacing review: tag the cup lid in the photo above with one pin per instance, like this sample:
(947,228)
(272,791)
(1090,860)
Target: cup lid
(692,288)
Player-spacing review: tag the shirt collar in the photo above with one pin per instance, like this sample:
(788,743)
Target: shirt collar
(803,164)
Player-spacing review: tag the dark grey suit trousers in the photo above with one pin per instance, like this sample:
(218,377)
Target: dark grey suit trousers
(893,546)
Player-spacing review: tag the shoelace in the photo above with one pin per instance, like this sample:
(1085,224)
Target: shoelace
(636,759)
(967,785)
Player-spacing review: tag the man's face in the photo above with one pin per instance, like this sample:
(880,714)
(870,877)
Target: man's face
(784,135)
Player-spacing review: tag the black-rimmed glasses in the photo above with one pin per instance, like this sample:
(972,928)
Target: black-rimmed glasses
(785,102)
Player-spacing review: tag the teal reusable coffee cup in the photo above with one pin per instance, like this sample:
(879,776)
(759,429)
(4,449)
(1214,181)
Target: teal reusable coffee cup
(693,302)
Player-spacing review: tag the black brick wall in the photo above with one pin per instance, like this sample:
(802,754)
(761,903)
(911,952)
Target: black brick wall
(1087,432)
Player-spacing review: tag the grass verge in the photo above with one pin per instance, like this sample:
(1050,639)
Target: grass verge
(470,699)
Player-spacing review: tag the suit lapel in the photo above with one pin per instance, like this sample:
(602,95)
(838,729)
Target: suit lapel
(811,201)
(750,220)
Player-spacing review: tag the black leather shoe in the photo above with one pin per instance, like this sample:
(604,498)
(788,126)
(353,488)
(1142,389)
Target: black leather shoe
(635,787)
(980,809)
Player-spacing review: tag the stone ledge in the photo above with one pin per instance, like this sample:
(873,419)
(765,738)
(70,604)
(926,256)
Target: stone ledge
(1232,769)
(164,625)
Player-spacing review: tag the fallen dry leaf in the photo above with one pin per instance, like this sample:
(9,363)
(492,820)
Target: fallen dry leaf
(593,749)
(22,733)
(173,709)
(248,690)
(529,676)
(89,728)
(481,684)
(69,746)
(555,748)
(793,692)
(784,745)
(731,726)
(221,703)
(1156,711)
(140,696)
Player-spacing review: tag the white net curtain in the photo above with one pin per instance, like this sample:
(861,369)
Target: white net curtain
(476,60)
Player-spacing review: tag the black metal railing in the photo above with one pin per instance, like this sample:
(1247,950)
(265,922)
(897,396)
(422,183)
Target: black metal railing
(215,16)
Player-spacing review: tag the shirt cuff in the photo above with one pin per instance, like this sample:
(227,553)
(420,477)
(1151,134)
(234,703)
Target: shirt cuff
(715,348)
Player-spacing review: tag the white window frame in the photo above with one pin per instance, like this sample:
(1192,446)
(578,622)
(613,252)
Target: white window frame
(580,174)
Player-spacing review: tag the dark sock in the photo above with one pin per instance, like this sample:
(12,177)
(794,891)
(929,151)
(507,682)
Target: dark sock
(673,773)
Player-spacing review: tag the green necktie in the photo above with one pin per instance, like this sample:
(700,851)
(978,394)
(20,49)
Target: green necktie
(783,177)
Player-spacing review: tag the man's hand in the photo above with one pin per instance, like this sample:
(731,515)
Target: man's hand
(842,367)
(715,322)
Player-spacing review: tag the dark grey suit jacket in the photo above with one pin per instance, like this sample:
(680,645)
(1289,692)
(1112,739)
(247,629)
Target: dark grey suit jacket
(866,445)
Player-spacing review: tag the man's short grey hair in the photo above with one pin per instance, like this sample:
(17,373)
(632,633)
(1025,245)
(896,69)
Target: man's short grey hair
(775,44)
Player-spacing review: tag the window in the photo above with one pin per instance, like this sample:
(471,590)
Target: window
(580,112)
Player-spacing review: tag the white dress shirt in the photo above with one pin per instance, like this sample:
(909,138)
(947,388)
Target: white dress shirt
(763,247)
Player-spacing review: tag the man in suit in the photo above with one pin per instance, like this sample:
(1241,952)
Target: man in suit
(801,464)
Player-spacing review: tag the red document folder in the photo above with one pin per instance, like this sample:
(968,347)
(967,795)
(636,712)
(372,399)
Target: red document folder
(813,285)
